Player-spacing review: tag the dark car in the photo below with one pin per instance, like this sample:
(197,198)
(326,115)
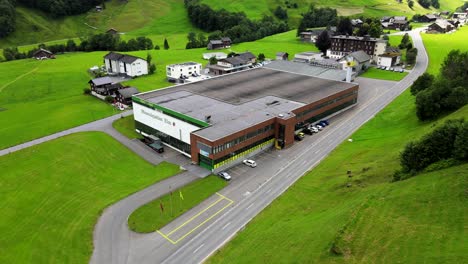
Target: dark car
(307,131)
(157,146)
(323,123)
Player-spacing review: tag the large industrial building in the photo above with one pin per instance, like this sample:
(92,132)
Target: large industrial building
(223,120)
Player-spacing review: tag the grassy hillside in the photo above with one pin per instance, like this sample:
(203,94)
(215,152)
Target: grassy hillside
(44,97)
(151,18)
(256,9)
(439,45)
(53,193)
(420,220)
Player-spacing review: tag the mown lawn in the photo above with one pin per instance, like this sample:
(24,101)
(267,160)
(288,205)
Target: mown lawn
(126,127)
(53,193)
(420,220)
(375,73)
(439,45)
(150,218)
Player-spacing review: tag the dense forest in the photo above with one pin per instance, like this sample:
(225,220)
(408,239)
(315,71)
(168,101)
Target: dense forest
(7,17)
(235,25)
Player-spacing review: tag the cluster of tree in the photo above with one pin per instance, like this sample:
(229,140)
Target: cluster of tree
(197,41)
(446,92)
(96,42)
(281,13)
(429,3)
(411,55)
(447,142)
(291,5)
(370,26)
(59,8)
(317,17)
(7,17)
(323,41)
(405,42)
(410,4)
(236,25)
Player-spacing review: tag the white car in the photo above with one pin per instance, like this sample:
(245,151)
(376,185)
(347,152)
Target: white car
(224,175)
(250,163)
(313,129)
(319,127)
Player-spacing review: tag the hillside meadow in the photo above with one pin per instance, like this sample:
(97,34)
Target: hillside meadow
(38,98)
(53,194)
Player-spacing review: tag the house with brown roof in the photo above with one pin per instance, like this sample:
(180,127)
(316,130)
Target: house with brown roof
(222,43)
(124,95)
(440,26)
(42,54)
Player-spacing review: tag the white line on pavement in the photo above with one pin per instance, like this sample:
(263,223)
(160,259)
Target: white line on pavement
(226,225)
(198,248)
(249,206)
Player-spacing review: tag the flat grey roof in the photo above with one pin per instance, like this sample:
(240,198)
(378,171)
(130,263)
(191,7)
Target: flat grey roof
(240,100)
(307,69)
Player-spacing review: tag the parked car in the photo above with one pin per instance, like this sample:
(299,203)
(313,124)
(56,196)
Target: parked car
(313,129)
(157,146)
(299,136)
(250,163)
(307,131)
(326,122)
(402,71)
(323,123)
(319,127)
(224,175)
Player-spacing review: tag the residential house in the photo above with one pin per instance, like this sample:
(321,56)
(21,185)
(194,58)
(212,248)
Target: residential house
(228,65)
(358,60)
(112,31)
(356,22)
(440,26)
(460,17)
(282,56)
(123,64)
(307,56)
(219,43)
(390,57)
(428,18)
(217,55)
(247,56)
(104,85)
(445,13)
(42,54)
(343,45)
(311,35)
(396,23)
(181,71)
(124,95)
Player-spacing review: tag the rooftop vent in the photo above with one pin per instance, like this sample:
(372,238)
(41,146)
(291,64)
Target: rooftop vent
(273,102)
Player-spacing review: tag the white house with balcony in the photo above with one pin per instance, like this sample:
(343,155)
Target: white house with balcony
(182,71)
(123,64)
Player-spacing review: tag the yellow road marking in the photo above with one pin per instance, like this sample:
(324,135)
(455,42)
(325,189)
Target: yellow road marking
(166,237)
(222,197)
(195,216)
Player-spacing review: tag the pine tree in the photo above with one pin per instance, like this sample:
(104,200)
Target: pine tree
(166,44)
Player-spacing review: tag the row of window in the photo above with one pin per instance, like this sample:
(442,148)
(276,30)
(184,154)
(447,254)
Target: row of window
(242,138)
(339,98)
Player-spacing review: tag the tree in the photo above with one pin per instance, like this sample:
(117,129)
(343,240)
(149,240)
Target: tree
(317,17)
(281,13)
(261,57)
(344,26)
(7,18)
(152,68)
(411,56)
(404,41)
(410,4)
(375,30)
(422,83)
(156,47)
(71,45)
(149,58)
(213,60)
(323,42)
(166,44)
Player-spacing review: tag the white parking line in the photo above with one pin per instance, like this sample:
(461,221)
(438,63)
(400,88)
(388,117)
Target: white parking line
(198,248)
(226,225)
(249,206)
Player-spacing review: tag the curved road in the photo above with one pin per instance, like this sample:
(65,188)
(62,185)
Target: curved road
(251,189)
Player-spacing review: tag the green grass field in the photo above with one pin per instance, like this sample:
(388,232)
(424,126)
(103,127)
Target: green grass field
(53,193)
(420,220)
(149,217)
(44,97)
(126,127)
(375,73)
(439,45)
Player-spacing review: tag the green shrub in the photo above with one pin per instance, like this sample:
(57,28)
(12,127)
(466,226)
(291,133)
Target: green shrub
(86,91)
(109,99)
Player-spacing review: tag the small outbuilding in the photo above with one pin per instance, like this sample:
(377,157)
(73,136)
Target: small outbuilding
(361,61)
(112,31)
(124,95)
(282,56)
(43,54)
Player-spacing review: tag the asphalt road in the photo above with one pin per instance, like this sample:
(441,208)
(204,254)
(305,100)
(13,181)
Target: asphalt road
(204,229)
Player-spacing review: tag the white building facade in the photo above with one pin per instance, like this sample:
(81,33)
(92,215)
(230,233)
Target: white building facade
(183,70)
(132,66)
